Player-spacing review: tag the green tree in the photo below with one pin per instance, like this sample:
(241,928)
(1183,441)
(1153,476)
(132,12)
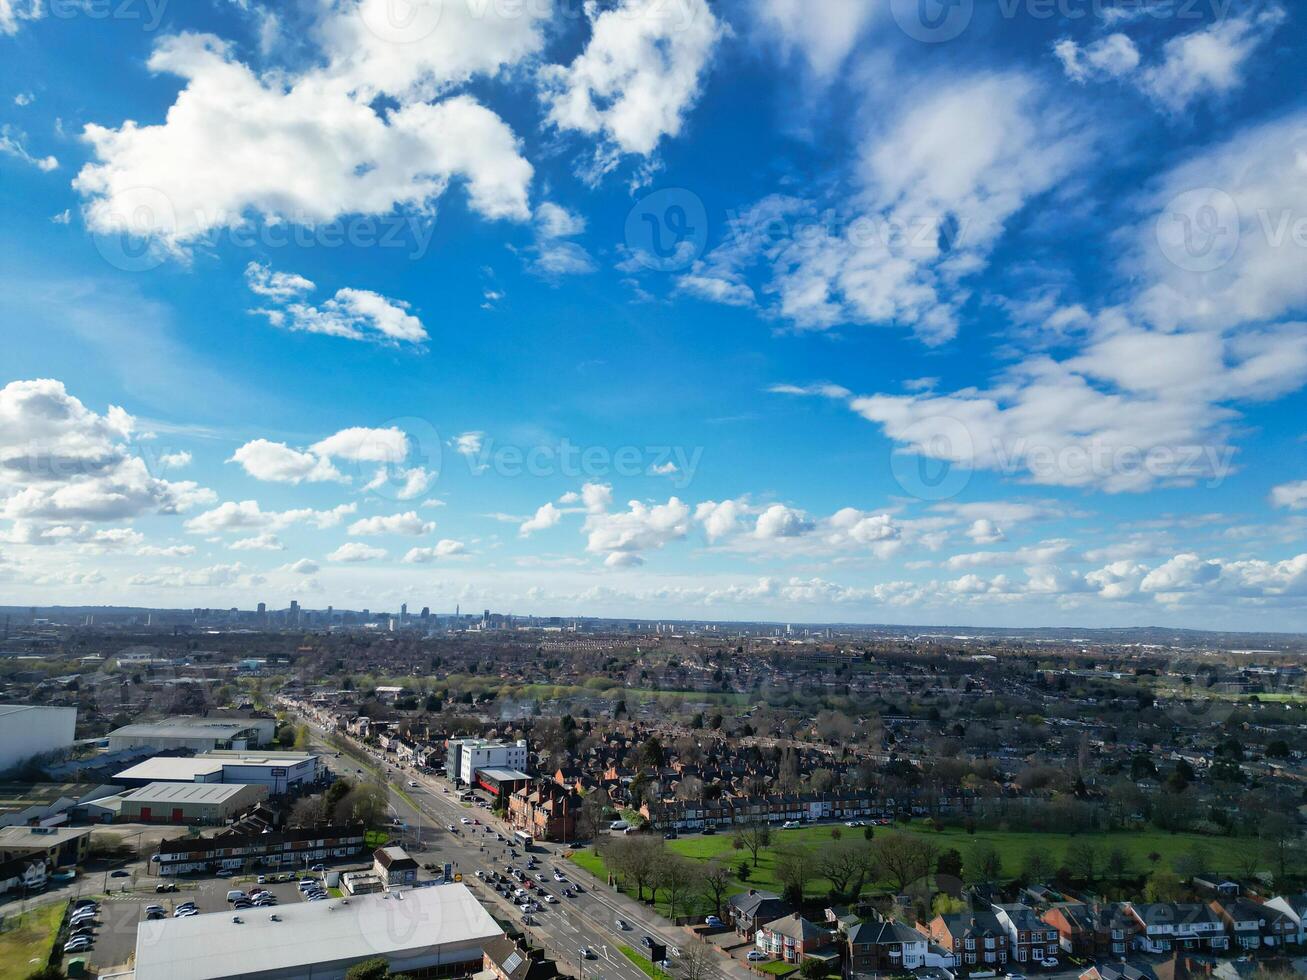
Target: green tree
(1163,885)
(374,969)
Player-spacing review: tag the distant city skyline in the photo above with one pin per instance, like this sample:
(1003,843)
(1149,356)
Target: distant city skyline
(658,310)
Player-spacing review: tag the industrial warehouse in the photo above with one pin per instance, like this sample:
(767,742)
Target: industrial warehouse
(189,803)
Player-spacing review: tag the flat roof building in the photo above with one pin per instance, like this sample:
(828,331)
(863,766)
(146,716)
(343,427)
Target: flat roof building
(277,772)
(59,846)
(197,734)
(188,803)
(442,929)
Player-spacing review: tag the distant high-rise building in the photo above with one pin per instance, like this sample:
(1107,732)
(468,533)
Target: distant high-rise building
(403,613)
(426,613)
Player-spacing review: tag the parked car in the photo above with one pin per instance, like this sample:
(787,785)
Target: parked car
(167,886)
(713,922)
(226,873)
(77,945)
(120,873)
(756,955)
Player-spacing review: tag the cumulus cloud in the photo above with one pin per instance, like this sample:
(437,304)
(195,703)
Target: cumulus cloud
(637,78)
(823,42)
(275,462)
(61,461)
(353,314)
(247,515)
(356,551)
(1290,495)
(407,523)
(445,548)
(641,527)
(545,517)
(307,149)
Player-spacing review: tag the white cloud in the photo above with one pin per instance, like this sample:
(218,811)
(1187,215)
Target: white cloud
(365,445)
(779,521)
(1290,495)
(985,531)
(407,523)
(13,12)
(275,462)
(305,566)
(61,461)
(823,38)
(637,78)
(545,517)
(641,527)
(416,481)
(248,515)
(469,443)
(1210,60)
(445,548)
(165,551)
(353,314)
(307,150)
(12,143)
(281,286)
(720,519)
(553,255)
(1114,56)
(260,542)
(175,461)
(356,551)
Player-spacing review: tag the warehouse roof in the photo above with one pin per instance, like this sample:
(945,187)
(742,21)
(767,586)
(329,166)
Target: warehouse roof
(181,729)
(40,837)
(171,770)
(185,792)
(11,709)
(299,934)
(503,775)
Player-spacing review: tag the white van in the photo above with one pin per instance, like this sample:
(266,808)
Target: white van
(234,894)
(619,825)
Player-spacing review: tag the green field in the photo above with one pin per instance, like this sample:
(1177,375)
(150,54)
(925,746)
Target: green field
(25,941)
(1011,846)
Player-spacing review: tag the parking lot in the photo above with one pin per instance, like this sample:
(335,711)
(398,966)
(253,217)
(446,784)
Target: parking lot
(121,913)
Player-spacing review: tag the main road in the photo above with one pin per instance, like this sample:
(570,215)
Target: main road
(588,920)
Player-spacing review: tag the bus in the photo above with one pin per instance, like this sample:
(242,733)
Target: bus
(523,839)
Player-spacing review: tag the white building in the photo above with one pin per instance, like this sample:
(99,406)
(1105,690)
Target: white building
(30,729)
(197,734)
(467,755)
(277,772)
(443,929)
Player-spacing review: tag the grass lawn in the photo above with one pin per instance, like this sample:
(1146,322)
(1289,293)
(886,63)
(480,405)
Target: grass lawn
(1012,847)
(778,969)
(643,965)
(25,941)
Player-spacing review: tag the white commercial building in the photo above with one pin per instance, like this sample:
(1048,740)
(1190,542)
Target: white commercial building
(467,755)
(277,772)
(197,734)
(442,928)
(28,730)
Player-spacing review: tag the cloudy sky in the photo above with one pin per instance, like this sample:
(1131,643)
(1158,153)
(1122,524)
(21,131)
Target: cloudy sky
(863,310)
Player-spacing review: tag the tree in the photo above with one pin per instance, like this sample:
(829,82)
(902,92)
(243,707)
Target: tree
(752,837)
(949,864)
(638,859)
(905,858)
(813,969)
(1119,864)
(1163,885)
(715,882)
(847,865)
(590,819)
(374,969)
(679,878)
(696,962)
(1037,867)
(1280,837)
(945,904)
(1083,860)
(984,864)
(793,871)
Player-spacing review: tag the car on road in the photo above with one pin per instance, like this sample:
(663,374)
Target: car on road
(120,873)
(318,867)
(587,953)
(854,823)
(621,924)
(674,950)
(167,886)
(262,880)
(670,835)
(790,825)
(756,956)
(226,873)
(413,784)
(551,900)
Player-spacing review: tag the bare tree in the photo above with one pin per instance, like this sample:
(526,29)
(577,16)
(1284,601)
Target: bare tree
(637,859)
(752,837)
(905,858)
(716,881)
(696,962)
(794,869)
(847,865)
(1083,860)
(679,878)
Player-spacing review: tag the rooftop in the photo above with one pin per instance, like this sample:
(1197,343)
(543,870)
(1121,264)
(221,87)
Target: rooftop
(185,792)
(504,775)
(40,836)
(171,770)
(181,728)
(204,947)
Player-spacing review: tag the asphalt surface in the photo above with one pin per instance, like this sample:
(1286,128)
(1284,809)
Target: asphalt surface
(586,920)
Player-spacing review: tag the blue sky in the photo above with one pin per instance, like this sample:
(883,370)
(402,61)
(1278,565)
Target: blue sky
(892,311)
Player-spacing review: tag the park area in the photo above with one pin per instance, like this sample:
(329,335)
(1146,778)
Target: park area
(25,939)
(1124,856)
